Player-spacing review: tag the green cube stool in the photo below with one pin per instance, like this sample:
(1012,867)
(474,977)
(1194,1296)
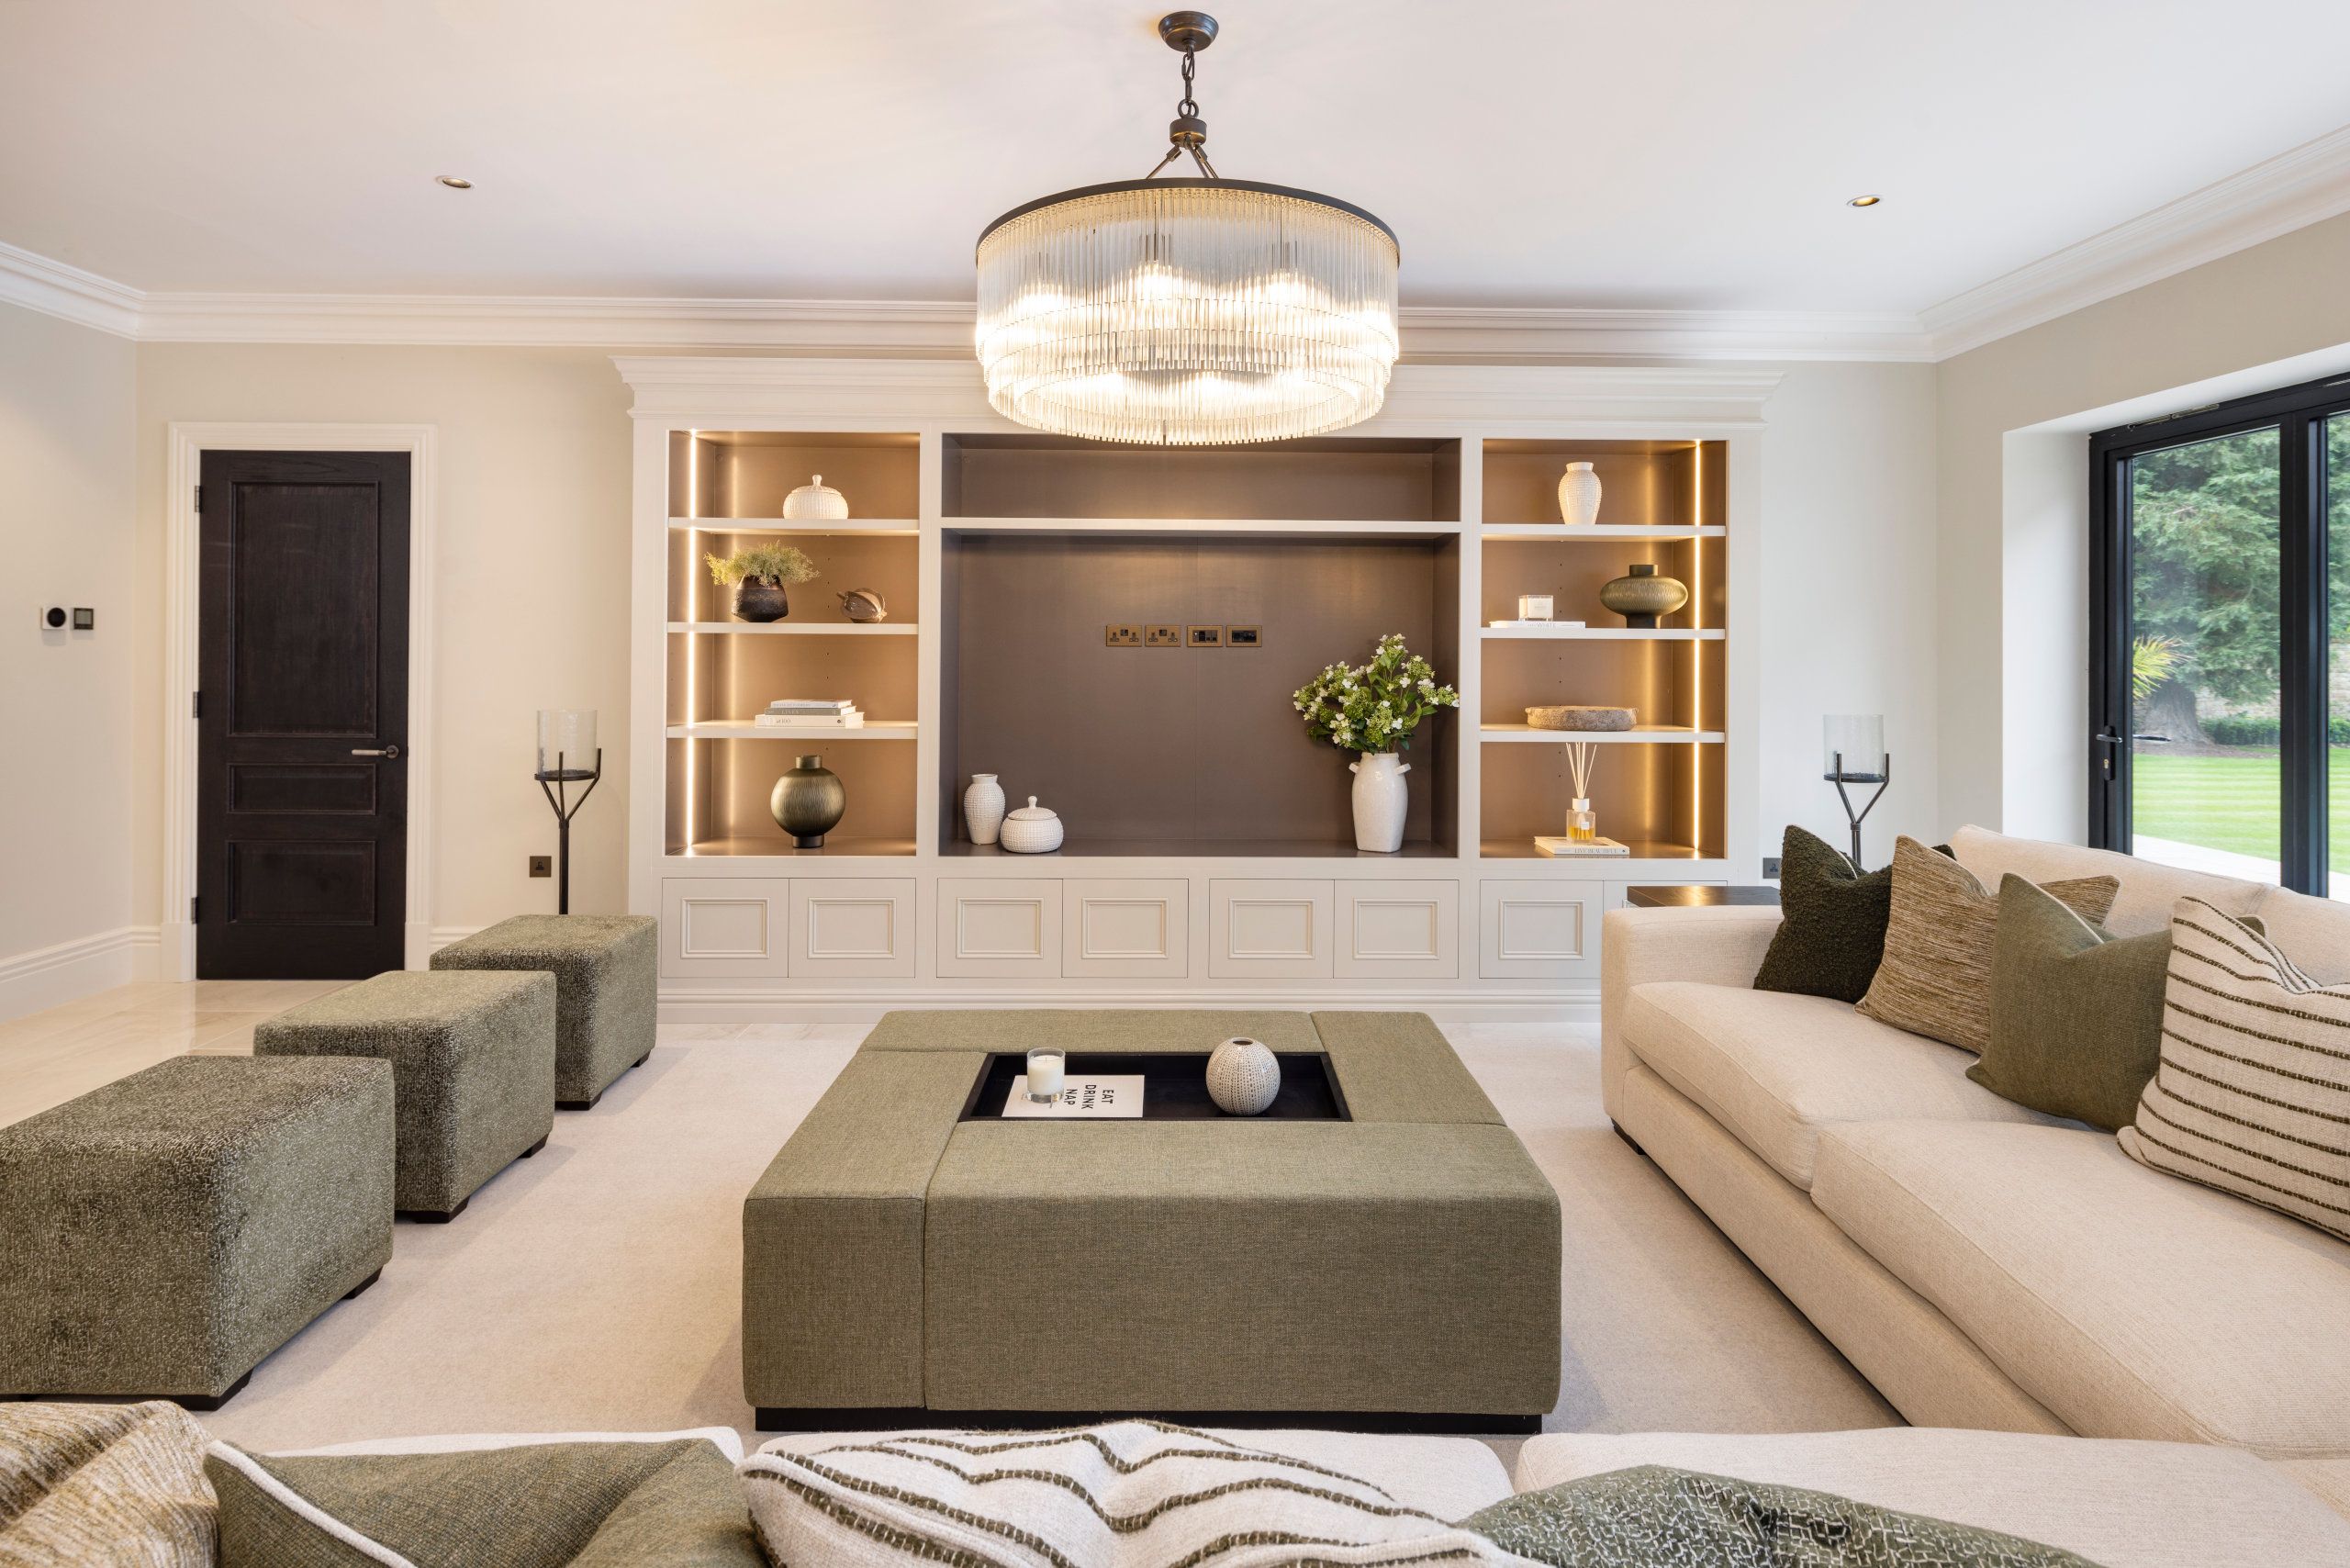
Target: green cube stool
(606,970)
(163,1234)
(472,1066)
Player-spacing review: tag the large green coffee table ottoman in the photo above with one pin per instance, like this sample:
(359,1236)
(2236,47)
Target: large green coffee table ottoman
(161,1235)
(607,974)
(910,1260)
(472,1070)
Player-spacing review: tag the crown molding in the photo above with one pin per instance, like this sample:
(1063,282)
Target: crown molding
(53,288)
(2290,191)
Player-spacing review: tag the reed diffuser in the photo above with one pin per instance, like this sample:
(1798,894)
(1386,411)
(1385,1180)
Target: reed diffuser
(1583,825)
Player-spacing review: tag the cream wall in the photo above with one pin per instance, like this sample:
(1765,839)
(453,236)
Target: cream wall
(66,766)
(2012,551)
(531,581)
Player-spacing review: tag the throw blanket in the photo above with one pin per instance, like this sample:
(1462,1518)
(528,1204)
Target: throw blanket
(1655,1516)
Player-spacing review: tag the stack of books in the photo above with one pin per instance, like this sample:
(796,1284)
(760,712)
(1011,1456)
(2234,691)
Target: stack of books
(810,714)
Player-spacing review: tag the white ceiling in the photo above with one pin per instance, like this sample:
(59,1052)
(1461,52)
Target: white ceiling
(1689,155)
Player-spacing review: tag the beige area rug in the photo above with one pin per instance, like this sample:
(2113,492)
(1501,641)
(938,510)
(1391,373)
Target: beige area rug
(596,1287)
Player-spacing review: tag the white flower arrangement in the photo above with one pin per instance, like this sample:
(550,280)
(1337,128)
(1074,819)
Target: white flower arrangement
(1375,707)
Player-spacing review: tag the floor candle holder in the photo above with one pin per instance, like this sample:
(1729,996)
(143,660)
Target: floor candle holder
(567,735)
(1857,754)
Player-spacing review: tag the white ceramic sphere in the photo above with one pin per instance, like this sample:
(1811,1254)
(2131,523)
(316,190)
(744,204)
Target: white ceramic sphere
(1243,1076)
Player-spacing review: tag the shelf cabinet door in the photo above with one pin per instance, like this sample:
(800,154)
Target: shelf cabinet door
(853,928)
(1126,927)
(1400,930)
(1268,929)
(724,927)
(999,926)
(1537,930)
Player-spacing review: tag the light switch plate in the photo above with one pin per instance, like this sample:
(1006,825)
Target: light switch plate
(1162,637)
(1121,634)
(1770,868)
(1204,636)
(542,865)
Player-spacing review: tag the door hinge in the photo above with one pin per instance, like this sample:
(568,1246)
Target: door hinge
(192,903)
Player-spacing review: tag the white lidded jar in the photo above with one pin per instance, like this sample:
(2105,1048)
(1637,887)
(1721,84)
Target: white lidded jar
(1032,830)
(1579,496)
(983,808)
(815,501)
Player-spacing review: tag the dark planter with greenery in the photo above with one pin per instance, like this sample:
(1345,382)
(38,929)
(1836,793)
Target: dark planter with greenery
(760,578)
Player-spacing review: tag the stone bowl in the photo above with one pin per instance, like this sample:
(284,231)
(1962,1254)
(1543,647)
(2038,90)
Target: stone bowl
(1581,718)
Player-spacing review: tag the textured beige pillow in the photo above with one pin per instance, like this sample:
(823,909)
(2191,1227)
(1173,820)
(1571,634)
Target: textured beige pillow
(1936,977)
(103,1485)
(2253,1093)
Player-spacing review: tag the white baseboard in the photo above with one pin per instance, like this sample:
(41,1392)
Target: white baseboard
(435,939)
(68,971)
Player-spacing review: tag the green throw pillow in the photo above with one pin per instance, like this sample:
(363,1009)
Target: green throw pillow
(1654,1514)
(2077,1015)
(673,1504)
(1831,921)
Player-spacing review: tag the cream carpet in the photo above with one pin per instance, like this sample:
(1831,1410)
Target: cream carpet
(595,1287)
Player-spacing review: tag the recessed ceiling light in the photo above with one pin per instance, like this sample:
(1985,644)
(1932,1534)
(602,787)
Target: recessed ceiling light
(455,184)
(1865,201)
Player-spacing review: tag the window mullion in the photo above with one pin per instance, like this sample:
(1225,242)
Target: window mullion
(2302,688)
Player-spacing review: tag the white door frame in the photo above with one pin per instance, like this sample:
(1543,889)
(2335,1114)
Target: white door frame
(182,613)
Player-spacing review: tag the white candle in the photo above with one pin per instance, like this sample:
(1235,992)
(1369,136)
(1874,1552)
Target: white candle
(1044,1074)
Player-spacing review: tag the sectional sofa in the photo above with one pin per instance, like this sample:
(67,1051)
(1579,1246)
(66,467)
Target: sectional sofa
(1983,1265)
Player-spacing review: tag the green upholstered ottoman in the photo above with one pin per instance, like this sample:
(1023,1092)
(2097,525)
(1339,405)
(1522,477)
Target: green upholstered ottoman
(166,1232)
(1401,1267)
(606,969)
(472,1070)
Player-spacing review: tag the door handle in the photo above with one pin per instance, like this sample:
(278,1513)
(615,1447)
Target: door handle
(389,753)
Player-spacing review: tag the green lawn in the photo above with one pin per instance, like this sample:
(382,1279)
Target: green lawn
(2228,803)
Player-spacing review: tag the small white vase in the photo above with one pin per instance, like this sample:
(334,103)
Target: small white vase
(1579,496)
(983,808)
(1380,797)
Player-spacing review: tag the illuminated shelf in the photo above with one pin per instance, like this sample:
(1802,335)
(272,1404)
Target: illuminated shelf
(1603,633)
(1210,528)
(1642,734)
(836,848)
(1622,533)
(873,729)
(869,527)
(1589,865)
(802,628)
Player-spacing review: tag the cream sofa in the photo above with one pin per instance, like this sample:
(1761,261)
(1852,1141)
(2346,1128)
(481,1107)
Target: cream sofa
(1983,1265)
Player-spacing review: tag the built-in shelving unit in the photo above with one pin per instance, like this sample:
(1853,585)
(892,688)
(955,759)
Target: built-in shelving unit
(1209,850)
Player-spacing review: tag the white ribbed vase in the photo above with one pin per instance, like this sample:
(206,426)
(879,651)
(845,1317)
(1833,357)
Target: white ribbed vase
(1244,1076)
(983,808)
(1579,496)
(1381,799)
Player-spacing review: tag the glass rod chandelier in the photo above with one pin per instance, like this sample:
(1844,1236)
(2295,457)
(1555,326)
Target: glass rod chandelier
(1187,311)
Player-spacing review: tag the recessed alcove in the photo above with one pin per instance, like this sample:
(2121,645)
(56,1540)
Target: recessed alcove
(1360,479)
(1156,751)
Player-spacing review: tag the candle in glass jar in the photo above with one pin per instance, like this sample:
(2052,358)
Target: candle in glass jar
(1044,1070)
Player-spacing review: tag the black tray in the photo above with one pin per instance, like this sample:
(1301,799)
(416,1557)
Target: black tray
(1175,1089)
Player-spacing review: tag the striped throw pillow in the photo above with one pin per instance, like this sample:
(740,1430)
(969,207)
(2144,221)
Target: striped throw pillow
(1123,1494)
(2253,1095)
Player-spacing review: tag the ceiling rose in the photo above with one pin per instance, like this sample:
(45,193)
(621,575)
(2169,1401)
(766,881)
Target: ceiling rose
(1185,311)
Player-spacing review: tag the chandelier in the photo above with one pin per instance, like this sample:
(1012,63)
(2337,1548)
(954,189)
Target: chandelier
(1184,312)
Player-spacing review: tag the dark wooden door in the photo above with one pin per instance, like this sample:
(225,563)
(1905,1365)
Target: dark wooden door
(302,715)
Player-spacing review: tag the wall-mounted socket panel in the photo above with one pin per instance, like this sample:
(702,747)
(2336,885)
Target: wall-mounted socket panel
(1162,637)
(1204,636)
(542,865)
(1121,634)
(1770,868)
(1243,637)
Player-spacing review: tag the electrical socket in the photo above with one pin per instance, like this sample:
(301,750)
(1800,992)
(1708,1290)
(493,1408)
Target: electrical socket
(1243,637)
(1770,868)
(1121,634)
(1205,637)
(542,865)
(1162,637)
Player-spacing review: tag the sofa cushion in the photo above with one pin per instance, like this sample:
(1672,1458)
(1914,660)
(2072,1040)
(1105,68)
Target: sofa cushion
(1120,1495)
(2121,1504)
(1449,1477)
(2253,1093)
(1936,977)
(1774,1068)
(107,1484)
(2129,1303)
(1831,931)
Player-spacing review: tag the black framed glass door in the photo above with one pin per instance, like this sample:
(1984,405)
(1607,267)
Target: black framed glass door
(2220,625)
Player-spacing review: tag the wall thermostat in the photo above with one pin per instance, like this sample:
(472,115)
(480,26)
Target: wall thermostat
(85,620)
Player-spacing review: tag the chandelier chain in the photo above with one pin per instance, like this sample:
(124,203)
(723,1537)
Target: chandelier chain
(1185,106)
